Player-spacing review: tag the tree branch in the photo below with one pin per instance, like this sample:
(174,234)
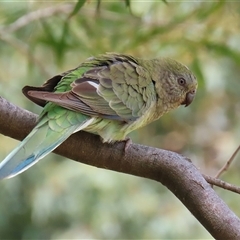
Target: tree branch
(174,171)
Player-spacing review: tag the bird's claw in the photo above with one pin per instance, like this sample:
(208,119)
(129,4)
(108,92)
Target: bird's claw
(128,142)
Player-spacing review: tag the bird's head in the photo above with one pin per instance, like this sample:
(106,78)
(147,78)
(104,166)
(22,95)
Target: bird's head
(175,83)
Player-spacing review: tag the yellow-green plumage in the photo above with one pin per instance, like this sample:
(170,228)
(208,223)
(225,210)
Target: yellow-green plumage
(109,95)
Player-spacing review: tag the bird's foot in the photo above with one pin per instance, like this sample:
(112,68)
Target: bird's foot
(128,142)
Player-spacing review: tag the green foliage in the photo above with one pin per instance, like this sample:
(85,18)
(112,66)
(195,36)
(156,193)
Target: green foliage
(61,199)
(77,7)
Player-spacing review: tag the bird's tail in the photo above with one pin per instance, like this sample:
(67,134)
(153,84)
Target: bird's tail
(41,141)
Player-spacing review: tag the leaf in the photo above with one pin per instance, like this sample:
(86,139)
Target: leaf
(127,2)
(98,6)
(128,5)
(196,67)
(165,1)
(77,7)
(223,50)
(56,40)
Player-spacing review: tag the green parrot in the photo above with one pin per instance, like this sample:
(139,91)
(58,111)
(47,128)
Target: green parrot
(109,95)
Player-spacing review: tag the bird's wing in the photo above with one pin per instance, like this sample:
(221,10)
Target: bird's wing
(113,87)
(48,86)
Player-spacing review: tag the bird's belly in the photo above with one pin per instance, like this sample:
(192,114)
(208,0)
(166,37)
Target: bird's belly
(108,130)
(142,121)
(113,130)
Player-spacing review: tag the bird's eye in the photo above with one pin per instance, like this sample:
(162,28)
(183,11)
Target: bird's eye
(181,81)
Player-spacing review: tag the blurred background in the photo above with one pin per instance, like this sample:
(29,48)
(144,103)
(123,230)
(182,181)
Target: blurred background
(62,199)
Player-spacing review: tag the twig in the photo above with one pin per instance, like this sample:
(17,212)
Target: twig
(222,184)
(227,164)
(5,31)
(24,49)
(54,10)
(36,15)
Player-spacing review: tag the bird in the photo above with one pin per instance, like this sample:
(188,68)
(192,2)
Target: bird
(109,95)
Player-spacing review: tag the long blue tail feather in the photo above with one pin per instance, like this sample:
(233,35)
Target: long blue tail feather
(40,142)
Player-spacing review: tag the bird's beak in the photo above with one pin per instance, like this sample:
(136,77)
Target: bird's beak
(189,98)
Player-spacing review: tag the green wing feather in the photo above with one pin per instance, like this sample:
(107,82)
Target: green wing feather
(110,87)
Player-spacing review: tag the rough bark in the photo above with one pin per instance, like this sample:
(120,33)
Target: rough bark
(174,171)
